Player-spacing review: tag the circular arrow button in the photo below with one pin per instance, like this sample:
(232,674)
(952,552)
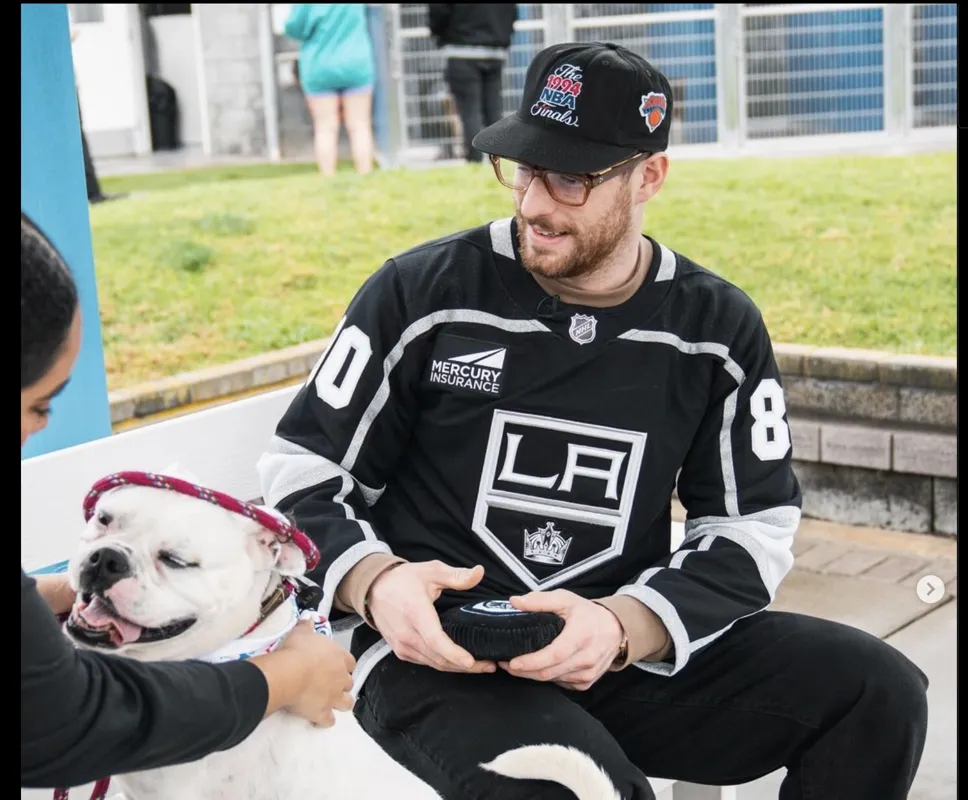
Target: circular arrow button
(930,589)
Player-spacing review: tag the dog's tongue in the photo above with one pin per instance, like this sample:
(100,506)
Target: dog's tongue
(97,615)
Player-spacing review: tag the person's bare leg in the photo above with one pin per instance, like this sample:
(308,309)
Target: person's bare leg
(324,109)
(357,116)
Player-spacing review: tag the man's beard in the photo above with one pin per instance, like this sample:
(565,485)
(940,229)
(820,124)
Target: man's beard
(590,249)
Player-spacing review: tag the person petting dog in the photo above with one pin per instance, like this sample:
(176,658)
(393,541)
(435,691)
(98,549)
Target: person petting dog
(85,715)
(499,424)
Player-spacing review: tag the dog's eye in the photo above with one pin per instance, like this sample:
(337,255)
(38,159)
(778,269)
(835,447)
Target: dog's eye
(173,561)
(104,518)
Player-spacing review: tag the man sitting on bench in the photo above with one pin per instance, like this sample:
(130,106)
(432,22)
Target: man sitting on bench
(505,412)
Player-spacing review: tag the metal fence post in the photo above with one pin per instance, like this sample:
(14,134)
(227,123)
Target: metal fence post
(267,69)
(396,126)
(897,69)
(383,88)
(557,18)
(729,90)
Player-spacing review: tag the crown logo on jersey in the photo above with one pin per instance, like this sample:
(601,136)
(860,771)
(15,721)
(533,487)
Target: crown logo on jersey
(546,546)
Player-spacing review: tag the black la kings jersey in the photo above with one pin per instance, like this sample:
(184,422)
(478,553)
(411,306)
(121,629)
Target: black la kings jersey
(458,415)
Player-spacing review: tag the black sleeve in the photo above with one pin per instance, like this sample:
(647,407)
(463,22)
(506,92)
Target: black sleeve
(743,503)
(439,17)
(86,715)
(317,468)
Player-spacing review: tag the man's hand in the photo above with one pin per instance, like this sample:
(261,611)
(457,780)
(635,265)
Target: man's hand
(581,653)
(401,603)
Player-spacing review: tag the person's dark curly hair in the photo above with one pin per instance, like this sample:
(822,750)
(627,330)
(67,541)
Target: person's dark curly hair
(48,303)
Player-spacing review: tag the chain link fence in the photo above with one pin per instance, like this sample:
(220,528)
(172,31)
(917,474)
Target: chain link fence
(814,72)
(739,73)
(934,62)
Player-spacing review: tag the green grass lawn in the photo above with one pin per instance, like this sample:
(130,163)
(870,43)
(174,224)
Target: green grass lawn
(204,267)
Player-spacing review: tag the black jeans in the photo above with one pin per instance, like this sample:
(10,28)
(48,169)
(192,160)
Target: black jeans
(844,712)
(475,85)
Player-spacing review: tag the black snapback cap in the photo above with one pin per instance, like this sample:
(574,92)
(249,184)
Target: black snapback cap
(585,107)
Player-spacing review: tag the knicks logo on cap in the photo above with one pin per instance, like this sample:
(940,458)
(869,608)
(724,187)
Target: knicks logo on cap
(653,109)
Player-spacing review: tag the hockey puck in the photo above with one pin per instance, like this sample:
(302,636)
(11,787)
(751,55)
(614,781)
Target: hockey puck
(494,630)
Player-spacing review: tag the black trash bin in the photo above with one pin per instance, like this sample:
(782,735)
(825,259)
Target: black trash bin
(162,114)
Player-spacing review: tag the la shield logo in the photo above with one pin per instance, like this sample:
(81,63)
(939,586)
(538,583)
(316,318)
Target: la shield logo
(653,109)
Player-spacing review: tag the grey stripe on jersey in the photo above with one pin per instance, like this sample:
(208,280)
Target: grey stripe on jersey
(500,231)
(413,331)
(667,612)
(766,535)
(667,266)
(286,468)
(375,653)
(337,571)
(729,406)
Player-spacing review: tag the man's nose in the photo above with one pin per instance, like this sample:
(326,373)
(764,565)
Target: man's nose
(535,201)
(103,568)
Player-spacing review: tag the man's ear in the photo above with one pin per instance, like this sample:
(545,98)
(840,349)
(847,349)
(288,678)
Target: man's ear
(282,557)
(649,177)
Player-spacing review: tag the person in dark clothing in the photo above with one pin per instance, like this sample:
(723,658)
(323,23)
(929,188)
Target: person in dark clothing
(85,715)
(94,193)
(475,39)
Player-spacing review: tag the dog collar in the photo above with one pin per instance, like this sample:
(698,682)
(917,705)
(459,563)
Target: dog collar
(248,646)
(283,530)
(282,593)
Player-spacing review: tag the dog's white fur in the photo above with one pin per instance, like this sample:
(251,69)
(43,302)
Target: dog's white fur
(285,757)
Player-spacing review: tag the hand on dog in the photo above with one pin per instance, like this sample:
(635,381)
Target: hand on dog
(402,606)
(309,675)
(581,653)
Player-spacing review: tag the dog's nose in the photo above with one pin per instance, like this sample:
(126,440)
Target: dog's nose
(103,568)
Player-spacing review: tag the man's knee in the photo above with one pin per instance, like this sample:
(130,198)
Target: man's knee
(897,686)
(865,670)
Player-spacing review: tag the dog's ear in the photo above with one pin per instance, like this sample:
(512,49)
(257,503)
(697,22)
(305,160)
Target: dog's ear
(175,470)
(284,557)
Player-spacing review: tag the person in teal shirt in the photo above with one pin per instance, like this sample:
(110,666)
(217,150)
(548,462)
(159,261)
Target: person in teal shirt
(336,69)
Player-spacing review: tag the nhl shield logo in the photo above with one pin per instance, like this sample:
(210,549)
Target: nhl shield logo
(582,329)
(653,109)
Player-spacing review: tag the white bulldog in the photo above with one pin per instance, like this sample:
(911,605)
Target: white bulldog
(161,575)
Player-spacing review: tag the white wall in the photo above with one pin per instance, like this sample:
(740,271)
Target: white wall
(177,58)
(279,14)
(103,59)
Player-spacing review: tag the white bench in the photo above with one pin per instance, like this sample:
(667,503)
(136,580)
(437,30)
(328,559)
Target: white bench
(220,446)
